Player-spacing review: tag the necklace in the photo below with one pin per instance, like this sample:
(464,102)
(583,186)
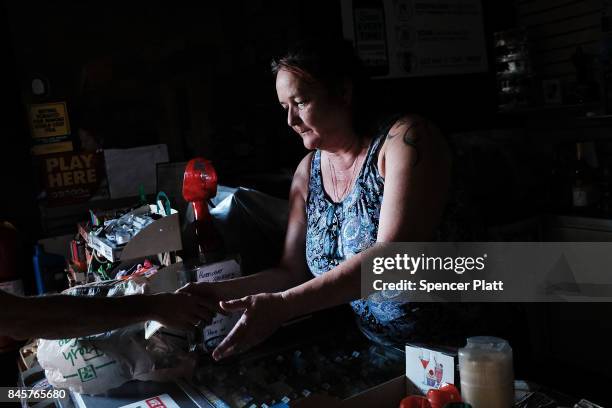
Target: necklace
(338,197)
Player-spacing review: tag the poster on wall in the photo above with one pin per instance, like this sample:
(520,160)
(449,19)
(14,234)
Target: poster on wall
(409,38)
(50,128)
(70,178)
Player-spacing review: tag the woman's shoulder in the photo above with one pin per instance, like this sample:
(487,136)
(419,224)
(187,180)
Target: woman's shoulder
(409,136)
(304,167)
(401,123)
(411,129)
(301,176)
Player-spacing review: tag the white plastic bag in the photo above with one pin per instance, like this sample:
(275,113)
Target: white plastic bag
(95,364)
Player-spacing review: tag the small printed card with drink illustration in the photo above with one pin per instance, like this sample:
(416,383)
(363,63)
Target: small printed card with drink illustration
(428,368)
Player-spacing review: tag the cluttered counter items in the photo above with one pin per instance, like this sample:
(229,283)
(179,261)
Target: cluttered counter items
(303,368)
(322,360)
(334,365)
(325,363)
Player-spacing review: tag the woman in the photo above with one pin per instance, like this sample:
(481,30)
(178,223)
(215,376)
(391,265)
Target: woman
(354,189)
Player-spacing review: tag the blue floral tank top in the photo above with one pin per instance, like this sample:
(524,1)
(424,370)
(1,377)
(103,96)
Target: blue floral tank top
(337,231)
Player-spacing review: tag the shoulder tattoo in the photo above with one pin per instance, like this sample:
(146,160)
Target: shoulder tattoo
(409,138)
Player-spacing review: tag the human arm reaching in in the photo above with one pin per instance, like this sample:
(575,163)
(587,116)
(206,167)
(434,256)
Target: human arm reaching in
(64,316)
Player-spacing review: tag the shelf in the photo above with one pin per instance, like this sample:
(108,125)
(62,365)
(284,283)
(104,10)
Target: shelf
(557,117)
(579,110)
(579,221)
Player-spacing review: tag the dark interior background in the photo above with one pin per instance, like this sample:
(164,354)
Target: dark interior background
(196,77)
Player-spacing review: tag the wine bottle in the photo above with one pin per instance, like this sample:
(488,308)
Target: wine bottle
(605,192)
(582,181)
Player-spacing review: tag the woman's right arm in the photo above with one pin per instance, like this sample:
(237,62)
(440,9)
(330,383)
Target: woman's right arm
(292,269)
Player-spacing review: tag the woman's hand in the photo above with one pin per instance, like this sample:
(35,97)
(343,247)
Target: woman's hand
(262,315)
(180,310)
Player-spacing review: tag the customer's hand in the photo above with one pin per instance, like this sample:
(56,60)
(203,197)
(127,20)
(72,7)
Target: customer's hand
(180,310)
(207,294)
(262,315)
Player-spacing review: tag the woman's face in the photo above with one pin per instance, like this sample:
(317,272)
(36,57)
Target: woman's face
(311,111)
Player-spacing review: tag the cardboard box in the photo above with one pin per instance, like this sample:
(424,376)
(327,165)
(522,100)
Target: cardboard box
(390,393)
(385,395)
(163,235)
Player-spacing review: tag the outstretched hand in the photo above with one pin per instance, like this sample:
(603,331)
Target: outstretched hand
(262,315)
(180,310)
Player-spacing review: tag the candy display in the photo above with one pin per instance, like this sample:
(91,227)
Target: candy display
(341,366)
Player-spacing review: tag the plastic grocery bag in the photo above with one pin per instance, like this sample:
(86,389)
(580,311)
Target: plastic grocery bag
(95,364)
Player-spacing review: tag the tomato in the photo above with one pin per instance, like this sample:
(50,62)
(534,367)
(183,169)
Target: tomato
(450,388)
(414,401)
(443,395)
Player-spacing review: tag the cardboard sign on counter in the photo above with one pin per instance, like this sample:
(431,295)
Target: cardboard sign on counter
(221,325)
(428,368)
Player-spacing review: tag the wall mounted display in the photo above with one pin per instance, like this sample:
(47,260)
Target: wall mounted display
(409,38)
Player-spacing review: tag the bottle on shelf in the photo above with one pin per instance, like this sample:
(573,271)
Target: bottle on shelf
(582,182)
(605,56)
(557,198)
(605,191)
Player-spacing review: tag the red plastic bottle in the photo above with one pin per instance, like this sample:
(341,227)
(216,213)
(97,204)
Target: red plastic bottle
(200,185)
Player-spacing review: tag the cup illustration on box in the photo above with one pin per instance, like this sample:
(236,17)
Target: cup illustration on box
(439,370)
(424,358)
(431,378)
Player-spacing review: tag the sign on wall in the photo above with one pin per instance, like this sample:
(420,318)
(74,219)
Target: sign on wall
(407,38)
(72,177)
(50,128)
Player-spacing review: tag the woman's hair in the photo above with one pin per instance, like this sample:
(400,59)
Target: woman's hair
(330,63)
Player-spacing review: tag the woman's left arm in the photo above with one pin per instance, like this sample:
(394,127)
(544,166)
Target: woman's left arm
(416,165)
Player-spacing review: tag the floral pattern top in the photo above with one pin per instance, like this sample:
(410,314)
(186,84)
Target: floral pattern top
(337,231)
